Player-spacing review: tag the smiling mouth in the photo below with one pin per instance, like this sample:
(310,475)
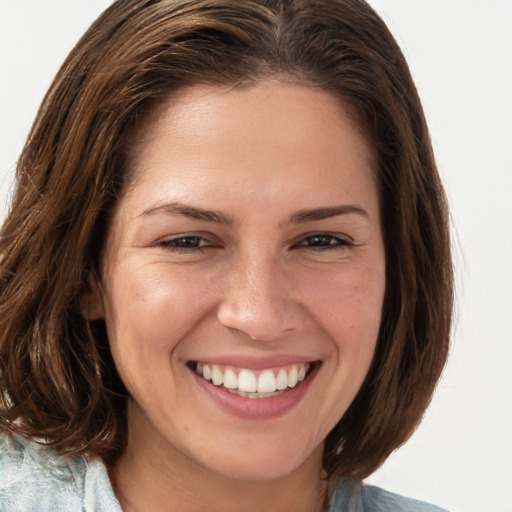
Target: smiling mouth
(247,383)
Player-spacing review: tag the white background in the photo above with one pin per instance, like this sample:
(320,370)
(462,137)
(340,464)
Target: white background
(460,53)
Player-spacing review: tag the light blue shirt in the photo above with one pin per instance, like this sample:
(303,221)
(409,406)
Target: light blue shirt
(34,478)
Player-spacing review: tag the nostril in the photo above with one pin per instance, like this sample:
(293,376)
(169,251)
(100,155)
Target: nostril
(259,322)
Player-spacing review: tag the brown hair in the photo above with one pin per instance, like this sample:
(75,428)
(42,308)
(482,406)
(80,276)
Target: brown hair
(57,380)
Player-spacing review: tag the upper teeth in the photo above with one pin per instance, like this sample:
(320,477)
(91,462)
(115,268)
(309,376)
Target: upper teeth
(247,381)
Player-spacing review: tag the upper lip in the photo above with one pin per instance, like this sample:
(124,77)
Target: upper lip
(254,362)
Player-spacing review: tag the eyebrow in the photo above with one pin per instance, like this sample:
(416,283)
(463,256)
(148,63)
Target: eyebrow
(327,212)
(191,212)
(202,214)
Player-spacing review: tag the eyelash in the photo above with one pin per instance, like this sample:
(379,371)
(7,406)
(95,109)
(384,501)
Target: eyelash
(339,242)
(174,243)
(179,243)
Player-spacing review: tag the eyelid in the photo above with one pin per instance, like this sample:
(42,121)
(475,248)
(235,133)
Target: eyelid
(206,241)
(169,242)
(342,239)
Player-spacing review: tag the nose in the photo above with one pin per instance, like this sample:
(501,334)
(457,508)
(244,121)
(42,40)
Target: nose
(260,300)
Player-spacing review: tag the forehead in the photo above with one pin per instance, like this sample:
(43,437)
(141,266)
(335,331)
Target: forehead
(206,115)
(274,136)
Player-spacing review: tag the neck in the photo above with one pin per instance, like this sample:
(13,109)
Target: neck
(148,478)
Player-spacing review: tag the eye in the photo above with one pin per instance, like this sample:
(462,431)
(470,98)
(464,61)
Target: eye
(186,243)
(323,241)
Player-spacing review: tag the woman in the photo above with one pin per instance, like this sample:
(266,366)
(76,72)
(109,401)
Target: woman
(225,275)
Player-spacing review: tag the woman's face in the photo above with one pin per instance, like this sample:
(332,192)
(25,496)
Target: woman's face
(243,279)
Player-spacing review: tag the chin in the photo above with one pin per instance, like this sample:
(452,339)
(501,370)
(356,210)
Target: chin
(263,460)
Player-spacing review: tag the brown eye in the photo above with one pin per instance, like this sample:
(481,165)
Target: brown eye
(323,240)
(186,242)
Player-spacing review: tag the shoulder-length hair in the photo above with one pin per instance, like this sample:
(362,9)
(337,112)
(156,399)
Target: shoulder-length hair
(58,381)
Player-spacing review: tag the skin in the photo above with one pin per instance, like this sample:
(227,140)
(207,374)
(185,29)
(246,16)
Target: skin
(260,284)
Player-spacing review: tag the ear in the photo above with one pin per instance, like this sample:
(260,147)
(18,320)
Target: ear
(92,300)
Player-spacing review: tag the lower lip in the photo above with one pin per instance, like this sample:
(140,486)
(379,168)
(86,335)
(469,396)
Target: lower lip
(257,408)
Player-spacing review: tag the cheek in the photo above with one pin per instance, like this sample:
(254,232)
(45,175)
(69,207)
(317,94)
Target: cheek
(348,305)
(149,311)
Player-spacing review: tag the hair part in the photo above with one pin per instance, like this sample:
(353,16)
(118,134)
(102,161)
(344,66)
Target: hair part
(57,378)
